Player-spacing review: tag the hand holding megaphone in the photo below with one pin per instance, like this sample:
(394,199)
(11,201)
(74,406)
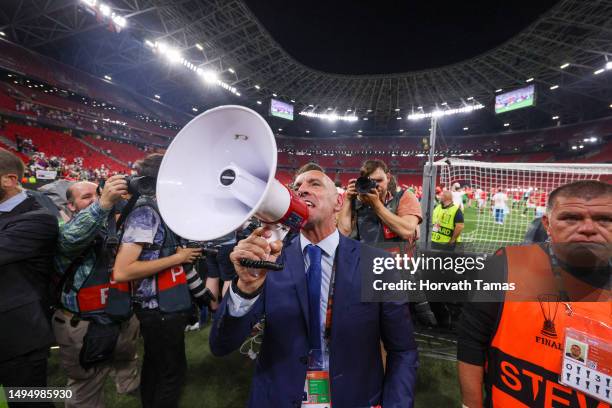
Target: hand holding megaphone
(255,247)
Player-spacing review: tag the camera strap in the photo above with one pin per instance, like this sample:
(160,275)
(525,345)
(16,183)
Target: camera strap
(127,210)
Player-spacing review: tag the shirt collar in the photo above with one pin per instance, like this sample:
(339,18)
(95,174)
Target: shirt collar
(328,245)
(13,202)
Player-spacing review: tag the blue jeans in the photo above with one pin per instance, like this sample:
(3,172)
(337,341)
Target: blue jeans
(499,215)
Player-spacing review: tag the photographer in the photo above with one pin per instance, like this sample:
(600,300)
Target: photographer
(374,212)
(150,257)
(85,255)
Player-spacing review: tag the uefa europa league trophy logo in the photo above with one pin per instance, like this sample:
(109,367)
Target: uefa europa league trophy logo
(549,305)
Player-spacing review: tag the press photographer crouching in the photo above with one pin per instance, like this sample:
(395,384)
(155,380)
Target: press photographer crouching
(151,259)
(96,334)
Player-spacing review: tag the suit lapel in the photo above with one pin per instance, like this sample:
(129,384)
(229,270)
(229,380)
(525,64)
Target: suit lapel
(294,261)
(346,273)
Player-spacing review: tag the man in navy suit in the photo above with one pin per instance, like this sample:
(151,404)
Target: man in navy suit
(330,333)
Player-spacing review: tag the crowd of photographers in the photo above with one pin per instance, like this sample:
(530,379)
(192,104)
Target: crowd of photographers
(159,283)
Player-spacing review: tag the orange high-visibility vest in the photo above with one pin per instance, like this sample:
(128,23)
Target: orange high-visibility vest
(524,360)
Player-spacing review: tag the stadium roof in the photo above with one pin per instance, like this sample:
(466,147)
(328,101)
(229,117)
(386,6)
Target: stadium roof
(223,34)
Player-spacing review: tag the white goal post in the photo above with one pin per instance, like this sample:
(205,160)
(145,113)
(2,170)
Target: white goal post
(525,187)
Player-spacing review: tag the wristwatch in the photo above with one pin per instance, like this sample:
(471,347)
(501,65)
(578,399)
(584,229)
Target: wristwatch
(242,294)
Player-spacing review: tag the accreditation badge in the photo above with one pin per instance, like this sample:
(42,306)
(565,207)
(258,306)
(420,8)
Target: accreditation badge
(316,390)
(587,358)
(436,228)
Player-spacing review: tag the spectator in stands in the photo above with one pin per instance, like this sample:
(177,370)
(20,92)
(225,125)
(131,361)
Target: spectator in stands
(147,257)
(28,235)
(382,214)
(84,259)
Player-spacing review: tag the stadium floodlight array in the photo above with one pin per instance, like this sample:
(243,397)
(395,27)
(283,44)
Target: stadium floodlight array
(444,112)
(104,10)
(531,183)
(175,56)
(330,116)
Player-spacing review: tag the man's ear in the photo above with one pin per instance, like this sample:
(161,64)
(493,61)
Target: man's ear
(71,207)
(339,202)
(546,223)
(9,181)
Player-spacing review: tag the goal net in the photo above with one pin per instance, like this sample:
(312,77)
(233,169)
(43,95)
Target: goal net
(501,200)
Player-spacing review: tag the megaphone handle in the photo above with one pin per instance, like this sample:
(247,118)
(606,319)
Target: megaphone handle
(273,266)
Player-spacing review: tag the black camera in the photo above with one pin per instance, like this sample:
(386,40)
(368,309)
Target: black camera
(206,248)
(364,185)
(137,185)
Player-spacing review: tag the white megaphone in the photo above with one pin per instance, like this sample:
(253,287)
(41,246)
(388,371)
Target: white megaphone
(218,172)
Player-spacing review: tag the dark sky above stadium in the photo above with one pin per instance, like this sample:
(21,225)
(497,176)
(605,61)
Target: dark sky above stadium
(386,36)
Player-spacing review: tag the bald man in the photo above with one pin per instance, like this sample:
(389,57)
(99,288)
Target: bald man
(84,257)
(447,222)
(319,336)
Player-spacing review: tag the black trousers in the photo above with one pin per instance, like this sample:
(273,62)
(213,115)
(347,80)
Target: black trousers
(26,371)
(164,362)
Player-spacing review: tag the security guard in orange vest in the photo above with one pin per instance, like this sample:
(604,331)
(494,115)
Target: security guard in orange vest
(515,348)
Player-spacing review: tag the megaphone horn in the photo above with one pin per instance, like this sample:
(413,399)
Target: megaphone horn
(218,172)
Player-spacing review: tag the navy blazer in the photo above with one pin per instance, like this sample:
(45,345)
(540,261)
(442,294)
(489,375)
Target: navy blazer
(356,370)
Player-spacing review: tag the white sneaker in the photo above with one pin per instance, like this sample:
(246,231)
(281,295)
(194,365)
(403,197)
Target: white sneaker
(193,327)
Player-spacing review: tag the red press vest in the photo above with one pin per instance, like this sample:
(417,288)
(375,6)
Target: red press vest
(99,294)
(525,357)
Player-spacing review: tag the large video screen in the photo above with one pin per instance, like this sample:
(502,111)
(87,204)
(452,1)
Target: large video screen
(281,109)
(519,98)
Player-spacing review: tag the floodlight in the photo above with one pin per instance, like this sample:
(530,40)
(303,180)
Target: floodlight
(210,76)
(120,21)
(173,54)
(105,10)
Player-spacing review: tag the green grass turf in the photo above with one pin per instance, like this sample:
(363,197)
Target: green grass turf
(224,382)
(480,228)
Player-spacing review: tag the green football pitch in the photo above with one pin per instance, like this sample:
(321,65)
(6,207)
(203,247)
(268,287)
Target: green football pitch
(224,382)
(482,234)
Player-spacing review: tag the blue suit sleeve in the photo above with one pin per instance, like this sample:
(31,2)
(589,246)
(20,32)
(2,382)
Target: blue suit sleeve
(228,333)
(402,356)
